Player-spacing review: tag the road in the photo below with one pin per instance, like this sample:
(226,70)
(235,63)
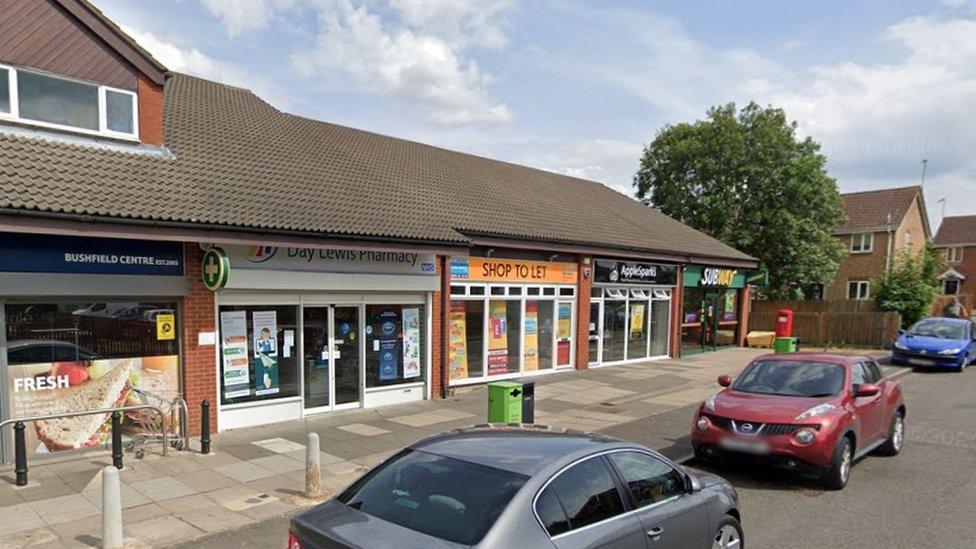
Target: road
(924,497)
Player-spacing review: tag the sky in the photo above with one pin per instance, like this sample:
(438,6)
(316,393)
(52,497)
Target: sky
(579,87)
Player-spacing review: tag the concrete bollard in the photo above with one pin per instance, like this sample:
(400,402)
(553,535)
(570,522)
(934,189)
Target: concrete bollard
(111,509)
(313,467)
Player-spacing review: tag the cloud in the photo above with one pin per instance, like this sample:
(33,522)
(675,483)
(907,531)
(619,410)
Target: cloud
(429,67)
(239,16)
(608,161)
(464,22)
(190,60)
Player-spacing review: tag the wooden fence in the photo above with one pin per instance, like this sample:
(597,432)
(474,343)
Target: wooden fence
(823,329)
(816,306)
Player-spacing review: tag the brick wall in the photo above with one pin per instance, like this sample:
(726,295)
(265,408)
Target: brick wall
(677,299)
(438,350)
(199,362)
(860,266)
(966,267)
(150,112)
(910,235)
(583,290)
(745,300)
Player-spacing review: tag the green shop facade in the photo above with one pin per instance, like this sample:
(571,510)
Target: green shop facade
(714,310)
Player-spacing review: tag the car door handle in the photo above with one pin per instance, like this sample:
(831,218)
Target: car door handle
(655,532)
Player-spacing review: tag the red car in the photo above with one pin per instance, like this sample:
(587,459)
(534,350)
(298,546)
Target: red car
(811,413)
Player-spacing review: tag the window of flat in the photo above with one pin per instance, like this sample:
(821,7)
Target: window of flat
(859,289)
(63,103)
(862,243)
(954,254)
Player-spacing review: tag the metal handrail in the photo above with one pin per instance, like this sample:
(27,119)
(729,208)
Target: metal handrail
(159,411)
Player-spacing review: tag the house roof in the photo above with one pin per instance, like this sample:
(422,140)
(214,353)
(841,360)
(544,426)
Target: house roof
(879,210)
(116,38)
(959,229)
(238,162)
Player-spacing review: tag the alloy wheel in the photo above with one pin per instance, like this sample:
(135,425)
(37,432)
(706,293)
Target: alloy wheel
(727,538)
(898,434)
(846,462)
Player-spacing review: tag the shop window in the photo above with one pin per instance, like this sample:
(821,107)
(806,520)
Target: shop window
(466,339)
(567,292)
(662,294)
(476,290)
(730,306)
(660,327)
(458,290)
(564,333)
(614,329)
(637,328)
(539,323)
(497,290)
(596,292)
(594,331)
(532,290)
(59,102)
(504,334)
(259,353)
(395,339)
(691,307)
(548,291)
(514,290)
(96,352)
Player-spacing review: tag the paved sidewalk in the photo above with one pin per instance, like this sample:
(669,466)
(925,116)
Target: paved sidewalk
(256,474)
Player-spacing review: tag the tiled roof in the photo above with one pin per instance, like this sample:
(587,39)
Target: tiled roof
(957,230)
(876,210)
(238,162)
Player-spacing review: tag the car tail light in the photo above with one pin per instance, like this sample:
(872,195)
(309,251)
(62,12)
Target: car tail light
(292,542)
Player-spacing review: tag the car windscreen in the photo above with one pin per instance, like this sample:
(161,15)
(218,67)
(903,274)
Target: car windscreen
(443,497)
(934,327)
(791,378)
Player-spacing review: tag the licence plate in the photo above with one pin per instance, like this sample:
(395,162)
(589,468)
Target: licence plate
(921,361)
(741,445)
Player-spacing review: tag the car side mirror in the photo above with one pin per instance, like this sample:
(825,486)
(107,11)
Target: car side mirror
(867,390)
(725,381)
(694,485)
(901,332)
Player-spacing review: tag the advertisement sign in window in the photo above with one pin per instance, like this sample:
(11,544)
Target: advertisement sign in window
(458,342)
(265,337)
(411,342)
(497,338)
(389,360)
(233,333)
(531,359)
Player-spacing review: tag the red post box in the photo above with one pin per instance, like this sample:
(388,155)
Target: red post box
(784,323)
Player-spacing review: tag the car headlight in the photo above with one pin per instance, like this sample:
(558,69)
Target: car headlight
(817,410)
(805,436)
(950,351)
(900,346)
(710,403)
(702,424)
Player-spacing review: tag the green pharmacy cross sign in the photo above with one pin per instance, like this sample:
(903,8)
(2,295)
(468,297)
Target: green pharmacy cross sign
(216,268)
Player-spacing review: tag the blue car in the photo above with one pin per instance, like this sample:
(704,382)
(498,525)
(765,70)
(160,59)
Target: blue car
(937,342)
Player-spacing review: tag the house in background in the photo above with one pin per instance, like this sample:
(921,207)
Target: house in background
(957,240)
(878,224)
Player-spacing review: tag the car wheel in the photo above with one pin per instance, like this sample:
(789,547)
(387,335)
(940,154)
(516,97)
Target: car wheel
(840,468)
(729,534)
(896,436)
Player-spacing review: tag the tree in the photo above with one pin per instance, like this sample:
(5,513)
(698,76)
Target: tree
(911,286)
(745,178)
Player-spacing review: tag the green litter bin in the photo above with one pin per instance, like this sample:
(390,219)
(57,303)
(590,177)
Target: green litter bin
(504,402)
(785,344)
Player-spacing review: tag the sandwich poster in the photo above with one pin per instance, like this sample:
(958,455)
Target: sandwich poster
(531,336)
(51,388)
(265,325)
(458,342)
(497,338)
(234,357)
(411,342)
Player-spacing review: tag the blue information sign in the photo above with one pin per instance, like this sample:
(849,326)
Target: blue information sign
(35,253)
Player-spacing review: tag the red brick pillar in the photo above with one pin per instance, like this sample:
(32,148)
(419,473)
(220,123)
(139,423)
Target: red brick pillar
(439,316)
(199,361)
(677,317)
(583,291)
(745,306)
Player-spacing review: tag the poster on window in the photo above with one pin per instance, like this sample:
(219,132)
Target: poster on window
(457,341)
(265,326)
(565,326)
(51,388)
(234,355)
(389,353)
(265,333)
(531,359)
(636,320)
(497,338)
(411,342)
(729,310)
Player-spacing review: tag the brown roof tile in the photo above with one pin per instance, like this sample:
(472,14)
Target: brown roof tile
(876,210)
(238,162)
(957,230)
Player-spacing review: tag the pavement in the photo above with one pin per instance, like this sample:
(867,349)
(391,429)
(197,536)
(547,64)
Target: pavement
(253,481)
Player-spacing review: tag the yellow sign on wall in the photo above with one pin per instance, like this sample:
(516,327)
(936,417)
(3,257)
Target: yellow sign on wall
(490,269)
(165,326)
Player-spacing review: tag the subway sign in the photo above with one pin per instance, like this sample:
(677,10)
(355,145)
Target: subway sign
(710,277)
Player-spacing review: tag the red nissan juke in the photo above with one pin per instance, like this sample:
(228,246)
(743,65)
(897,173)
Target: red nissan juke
(810,413)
